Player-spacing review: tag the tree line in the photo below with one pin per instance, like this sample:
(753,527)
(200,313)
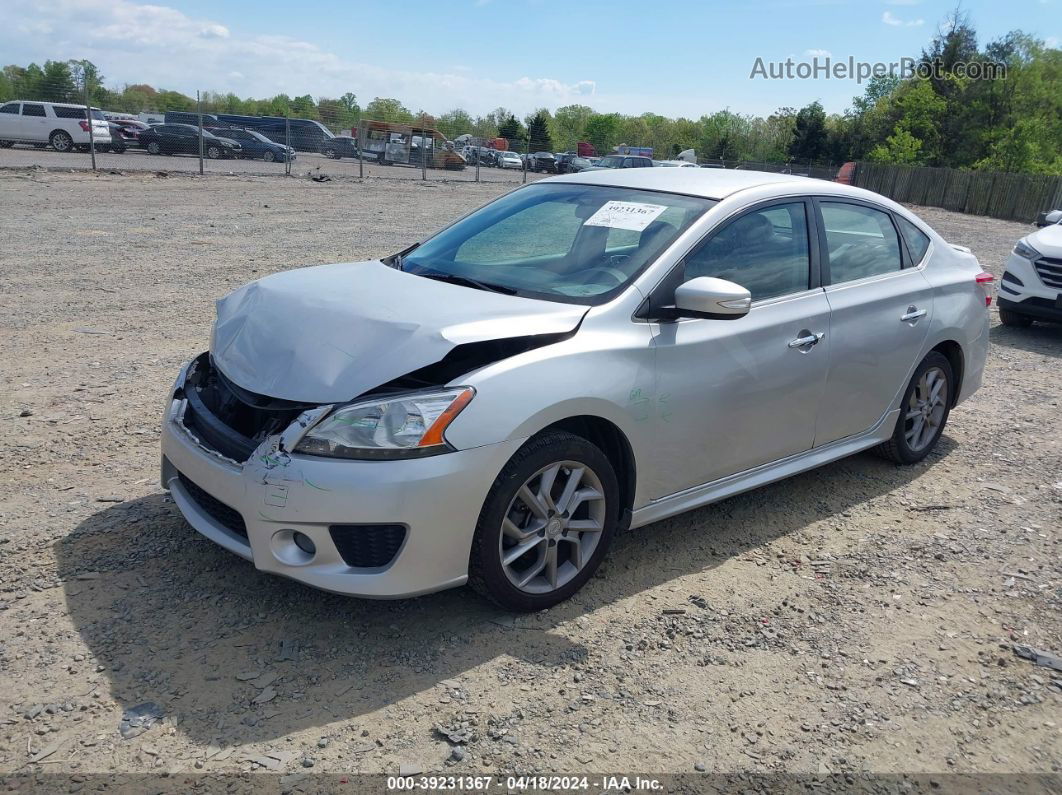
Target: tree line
(1011,121)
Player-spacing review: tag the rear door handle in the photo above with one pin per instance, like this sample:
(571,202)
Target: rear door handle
(806,341)
(913,313)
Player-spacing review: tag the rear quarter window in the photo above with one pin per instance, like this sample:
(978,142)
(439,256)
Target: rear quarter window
(68,113)
(917,240)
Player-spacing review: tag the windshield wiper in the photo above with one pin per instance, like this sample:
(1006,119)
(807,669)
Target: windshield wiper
(453,278)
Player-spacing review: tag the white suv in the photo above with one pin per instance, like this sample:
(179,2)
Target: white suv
(61,125)
(1031,287)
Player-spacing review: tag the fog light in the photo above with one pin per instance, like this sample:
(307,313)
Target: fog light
(305,543)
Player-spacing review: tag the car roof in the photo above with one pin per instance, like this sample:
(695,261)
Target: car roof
(706,182)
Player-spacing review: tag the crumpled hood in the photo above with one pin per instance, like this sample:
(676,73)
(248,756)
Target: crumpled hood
(329,333)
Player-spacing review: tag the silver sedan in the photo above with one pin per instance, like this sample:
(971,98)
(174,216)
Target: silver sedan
(587,353)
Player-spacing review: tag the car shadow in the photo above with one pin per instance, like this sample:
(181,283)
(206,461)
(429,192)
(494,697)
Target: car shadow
(172,618)
(1044,338)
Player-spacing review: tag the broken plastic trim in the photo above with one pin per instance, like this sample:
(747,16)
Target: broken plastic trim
(465,359)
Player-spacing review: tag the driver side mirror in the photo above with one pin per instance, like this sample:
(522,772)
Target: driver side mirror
(708,297)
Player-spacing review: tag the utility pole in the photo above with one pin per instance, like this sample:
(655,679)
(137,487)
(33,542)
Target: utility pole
(423,151)
(287,145)
(361,149)
(88,115)
(199,113)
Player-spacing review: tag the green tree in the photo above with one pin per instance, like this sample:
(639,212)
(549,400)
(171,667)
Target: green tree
(57,84)
(455,122)
(569,124)
(809,133)
(900,148)
(513,131)
(538,132)
(387,109)
(602,131)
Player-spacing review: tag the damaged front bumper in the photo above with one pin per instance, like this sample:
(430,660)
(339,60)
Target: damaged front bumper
(381,529)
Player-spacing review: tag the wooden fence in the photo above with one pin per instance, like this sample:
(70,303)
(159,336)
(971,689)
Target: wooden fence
(1016,197)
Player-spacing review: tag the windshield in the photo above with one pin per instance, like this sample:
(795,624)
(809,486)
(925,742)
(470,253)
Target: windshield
(562,242)
(610,162)
(259,136)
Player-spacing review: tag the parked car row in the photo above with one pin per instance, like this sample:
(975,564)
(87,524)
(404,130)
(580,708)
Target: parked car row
(65,128)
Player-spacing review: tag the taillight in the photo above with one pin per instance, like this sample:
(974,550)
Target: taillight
(984,281)
(84,125)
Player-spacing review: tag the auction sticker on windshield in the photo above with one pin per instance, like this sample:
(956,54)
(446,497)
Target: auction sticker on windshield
(625,215)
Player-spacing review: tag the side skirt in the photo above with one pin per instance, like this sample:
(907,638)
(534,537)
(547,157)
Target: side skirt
(697,496)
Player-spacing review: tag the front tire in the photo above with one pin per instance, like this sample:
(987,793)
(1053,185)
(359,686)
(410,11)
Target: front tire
(154,148)
(268,156)
(213,152)
(546,524)
(924,411)
(1014,319)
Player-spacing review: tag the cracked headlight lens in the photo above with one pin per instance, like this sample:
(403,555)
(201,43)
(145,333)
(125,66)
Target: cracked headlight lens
(400,426)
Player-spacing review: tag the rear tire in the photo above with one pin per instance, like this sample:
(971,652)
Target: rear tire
(1014,319)
(564,539)
(924,412)
(61,141)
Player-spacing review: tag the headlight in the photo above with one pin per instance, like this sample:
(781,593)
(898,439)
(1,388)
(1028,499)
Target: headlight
(1023,249)
(404,426)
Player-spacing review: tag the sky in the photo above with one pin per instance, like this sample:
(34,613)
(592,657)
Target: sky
(681,58)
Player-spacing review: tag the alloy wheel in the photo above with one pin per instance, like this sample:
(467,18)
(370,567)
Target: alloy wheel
(926,408)
(552,527)
(62,142)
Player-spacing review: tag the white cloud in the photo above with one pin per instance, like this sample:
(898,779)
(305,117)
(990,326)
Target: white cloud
(134,42)
(890,18)
(817,53)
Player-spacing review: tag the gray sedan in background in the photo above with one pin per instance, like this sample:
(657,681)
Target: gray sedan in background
(586,353)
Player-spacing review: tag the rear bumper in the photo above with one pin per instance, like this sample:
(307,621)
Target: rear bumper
(437,500)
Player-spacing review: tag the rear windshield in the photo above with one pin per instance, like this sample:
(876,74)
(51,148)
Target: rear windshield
(563,242)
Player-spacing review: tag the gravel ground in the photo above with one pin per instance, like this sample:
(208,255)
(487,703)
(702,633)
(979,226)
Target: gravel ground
(305,163)
(859,617)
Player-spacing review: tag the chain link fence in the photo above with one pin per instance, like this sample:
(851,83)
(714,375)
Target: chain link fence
(63,121)
(63,128)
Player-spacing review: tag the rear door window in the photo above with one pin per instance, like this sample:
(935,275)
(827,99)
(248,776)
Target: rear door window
(862,241)
(32,110)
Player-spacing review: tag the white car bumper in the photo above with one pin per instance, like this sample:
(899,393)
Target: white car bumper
(1031,288)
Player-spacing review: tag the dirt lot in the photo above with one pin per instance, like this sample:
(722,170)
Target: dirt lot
(859,617)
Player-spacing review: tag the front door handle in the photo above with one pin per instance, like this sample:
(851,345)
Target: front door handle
(806,340)
(912,314)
